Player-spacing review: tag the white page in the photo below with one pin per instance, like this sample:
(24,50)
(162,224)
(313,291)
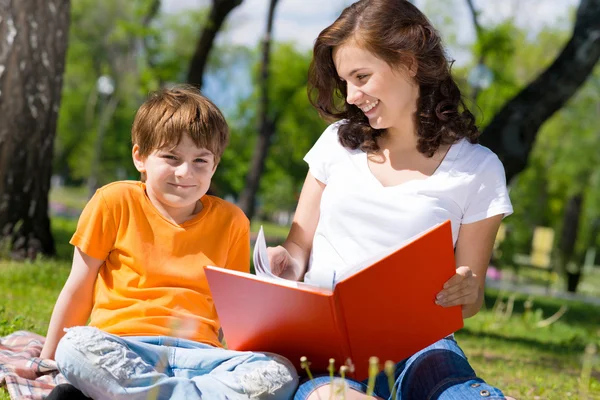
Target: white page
(261,259)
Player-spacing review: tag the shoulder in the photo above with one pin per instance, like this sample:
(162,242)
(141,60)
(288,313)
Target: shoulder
(473,157)
(117,192)
(329,141)
(225,210)
(332,130)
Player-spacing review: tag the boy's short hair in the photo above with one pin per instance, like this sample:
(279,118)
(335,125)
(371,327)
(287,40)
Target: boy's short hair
(169,113)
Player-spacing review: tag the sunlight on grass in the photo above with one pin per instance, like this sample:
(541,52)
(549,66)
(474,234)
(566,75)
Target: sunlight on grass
(508,349)
(28,292)
(514,355)
(271,229)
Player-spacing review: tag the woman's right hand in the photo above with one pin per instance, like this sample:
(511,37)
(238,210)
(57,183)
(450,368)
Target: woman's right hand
(280,260)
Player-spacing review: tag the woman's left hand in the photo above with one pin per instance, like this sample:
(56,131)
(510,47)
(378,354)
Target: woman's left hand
(461,289)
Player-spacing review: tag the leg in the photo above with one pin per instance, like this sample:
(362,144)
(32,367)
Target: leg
(66,391)
(221,373)
(440,371)
(104,366)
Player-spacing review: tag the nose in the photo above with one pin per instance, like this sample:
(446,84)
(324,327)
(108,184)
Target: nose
(184,169)
(353,93)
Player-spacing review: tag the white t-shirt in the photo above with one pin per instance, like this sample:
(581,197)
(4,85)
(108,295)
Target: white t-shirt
(360,218)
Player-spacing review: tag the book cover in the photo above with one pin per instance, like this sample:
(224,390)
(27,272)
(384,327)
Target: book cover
(386,309)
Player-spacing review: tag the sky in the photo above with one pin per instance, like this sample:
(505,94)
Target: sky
(302,20)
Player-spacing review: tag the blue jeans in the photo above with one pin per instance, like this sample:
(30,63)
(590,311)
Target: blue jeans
(104,366)
(440,371)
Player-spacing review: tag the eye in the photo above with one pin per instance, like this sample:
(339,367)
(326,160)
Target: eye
(361,77)
(200,160)
(169,157)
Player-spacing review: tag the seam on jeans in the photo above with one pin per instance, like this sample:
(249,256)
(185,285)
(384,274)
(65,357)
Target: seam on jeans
(445,382)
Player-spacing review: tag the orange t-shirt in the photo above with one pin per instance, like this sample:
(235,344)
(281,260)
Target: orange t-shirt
(152,282)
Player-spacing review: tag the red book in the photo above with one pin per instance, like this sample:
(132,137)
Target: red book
(385,310)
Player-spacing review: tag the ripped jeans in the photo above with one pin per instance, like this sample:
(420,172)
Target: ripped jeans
(104,366)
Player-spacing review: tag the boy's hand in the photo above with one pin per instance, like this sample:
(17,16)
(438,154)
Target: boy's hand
(279,259)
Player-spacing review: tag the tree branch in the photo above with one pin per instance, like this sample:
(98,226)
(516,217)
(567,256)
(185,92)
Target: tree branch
(512,132)
(475,16)
(218,12)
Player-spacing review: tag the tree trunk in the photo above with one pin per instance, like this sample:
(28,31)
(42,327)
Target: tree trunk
(33,44)
(512,132)
(571,265)
(266,126)
(218,12)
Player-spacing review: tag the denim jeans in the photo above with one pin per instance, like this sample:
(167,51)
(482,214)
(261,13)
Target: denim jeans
(438,372)
(104,366)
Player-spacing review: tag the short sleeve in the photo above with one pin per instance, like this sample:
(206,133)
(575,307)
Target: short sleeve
(238,257)
(320,156)
(96,228)
(488,194)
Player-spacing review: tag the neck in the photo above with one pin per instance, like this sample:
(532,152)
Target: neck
(400,138)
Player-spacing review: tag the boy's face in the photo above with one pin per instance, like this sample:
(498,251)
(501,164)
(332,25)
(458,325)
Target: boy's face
(177,178)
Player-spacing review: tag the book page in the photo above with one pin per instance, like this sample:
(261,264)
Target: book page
(262,268)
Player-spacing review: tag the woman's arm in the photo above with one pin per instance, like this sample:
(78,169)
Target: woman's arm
(74,302)
(291,259)
(473,253)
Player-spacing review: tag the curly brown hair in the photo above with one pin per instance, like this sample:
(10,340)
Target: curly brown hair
(399,34)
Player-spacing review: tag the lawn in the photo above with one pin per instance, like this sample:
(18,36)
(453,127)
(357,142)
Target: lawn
(506,342)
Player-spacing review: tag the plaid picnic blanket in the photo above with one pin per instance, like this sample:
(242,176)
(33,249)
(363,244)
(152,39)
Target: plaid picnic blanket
(25,375)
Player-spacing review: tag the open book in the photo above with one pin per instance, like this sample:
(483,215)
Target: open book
(386,309)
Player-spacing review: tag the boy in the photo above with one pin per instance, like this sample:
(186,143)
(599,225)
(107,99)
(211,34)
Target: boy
(137,274)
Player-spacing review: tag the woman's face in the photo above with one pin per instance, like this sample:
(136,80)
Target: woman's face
(388,96)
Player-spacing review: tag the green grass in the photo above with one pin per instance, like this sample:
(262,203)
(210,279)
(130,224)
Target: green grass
(510,351)
(75,197)
(515,355)
(271,229)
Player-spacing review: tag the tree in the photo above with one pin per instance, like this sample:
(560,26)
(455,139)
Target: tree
(512,132)
(296,127)
(218,12)
(33,44)
(266,123)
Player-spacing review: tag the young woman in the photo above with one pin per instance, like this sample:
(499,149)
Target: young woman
(401,158)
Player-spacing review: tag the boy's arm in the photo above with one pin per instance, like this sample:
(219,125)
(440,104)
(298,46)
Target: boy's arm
(74,303)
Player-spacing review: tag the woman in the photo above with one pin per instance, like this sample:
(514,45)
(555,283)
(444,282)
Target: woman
(402,158)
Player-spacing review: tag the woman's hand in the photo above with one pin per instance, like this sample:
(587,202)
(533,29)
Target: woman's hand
(462,289)
(280,260)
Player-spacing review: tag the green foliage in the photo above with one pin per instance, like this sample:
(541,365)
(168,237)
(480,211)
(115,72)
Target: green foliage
(111,38)
(564,162)
(297,126)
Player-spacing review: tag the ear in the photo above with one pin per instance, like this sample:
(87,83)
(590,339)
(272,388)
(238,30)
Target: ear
(412,67)
(138,160)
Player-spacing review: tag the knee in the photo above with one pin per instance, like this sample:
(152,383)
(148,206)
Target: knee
(85,347)
(275,379)
(70,345)
(433,370)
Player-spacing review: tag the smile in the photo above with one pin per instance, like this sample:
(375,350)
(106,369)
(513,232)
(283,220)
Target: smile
(368,107)
(182,186)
